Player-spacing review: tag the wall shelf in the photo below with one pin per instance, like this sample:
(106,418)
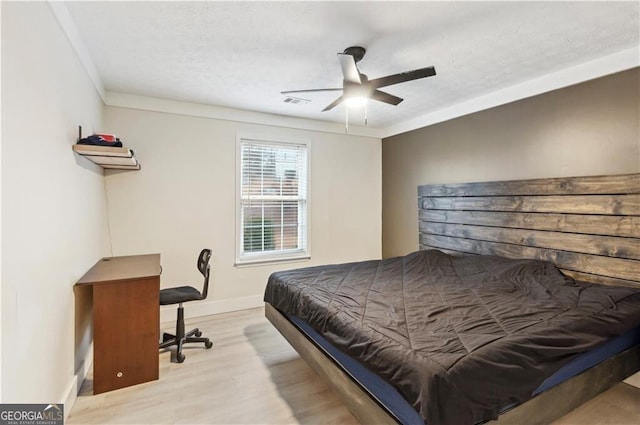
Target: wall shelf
(108,157)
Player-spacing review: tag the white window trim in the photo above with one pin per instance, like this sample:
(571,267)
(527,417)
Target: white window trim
(279,256)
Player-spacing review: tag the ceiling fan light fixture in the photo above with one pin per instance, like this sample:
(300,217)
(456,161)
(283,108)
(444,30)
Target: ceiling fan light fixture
(356,101)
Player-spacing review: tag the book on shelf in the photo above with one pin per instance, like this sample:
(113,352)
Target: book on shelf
(109,157)
(91,150)
(113,160)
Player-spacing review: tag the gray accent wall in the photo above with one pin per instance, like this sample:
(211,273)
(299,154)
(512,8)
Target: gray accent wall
(592,128)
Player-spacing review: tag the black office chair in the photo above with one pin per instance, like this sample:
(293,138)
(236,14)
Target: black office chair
(181,295)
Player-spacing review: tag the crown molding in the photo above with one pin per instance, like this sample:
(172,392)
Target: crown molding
(145,103)
(617,62)
(606,65)
(71,31)
(124,100)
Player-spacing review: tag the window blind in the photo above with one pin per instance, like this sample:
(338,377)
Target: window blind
(273,199)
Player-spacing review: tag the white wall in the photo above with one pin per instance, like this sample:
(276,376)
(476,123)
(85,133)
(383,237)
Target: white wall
(0,218)
(53,205)
(183,200)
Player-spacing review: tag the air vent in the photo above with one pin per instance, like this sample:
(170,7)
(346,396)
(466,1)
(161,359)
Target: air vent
(296,100)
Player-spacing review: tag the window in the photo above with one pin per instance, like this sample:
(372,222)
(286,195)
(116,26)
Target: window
(272,218)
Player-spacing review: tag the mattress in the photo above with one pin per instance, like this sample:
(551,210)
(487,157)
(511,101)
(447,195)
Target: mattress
(393,402)
(459,338)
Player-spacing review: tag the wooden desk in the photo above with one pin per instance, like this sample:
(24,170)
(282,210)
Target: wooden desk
(126,320)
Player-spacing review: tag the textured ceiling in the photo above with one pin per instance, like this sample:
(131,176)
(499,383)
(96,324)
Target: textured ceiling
(242,54)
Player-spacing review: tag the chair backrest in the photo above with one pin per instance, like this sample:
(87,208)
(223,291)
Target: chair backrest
(204,268)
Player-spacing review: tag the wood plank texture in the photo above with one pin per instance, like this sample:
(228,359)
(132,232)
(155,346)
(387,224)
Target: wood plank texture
(588,185)
(604,280)
(588,244)
(626,226)
(566,204)
(588,226)
(594,264)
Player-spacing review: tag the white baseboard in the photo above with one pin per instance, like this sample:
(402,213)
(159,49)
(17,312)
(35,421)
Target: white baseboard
(206,308)
(71,393)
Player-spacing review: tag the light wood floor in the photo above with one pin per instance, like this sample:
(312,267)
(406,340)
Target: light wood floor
(252,376)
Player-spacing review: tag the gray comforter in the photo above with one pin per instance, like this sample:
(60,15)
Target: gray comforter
(458,337)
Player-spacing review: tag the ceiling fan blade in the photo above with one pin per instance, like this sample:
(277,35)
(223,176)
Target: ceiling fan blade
(307,91)
(381,96)
(402,77)
(350,71)
(334,103)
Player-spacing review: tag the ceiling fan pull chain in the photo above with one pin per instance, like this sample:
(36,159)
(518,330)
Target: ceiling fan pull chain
(366,108)
(346,120)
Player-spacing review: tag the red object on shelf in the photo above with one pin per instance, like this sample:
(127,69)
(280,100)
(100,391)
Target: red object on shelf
(107,137)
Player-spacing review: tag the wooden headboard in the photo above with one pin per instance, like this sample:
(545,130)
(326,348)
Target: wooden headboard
(588,226)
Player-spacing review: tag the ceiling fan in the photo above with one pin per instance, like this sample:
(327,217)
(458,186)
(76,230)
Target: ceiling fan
(356,87)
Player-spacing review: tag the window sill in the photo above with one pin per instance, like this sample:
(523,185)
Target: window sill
(254,262)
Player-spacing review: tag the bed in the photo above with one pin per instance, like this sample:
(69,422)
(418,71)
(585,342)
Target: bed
(476,238)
